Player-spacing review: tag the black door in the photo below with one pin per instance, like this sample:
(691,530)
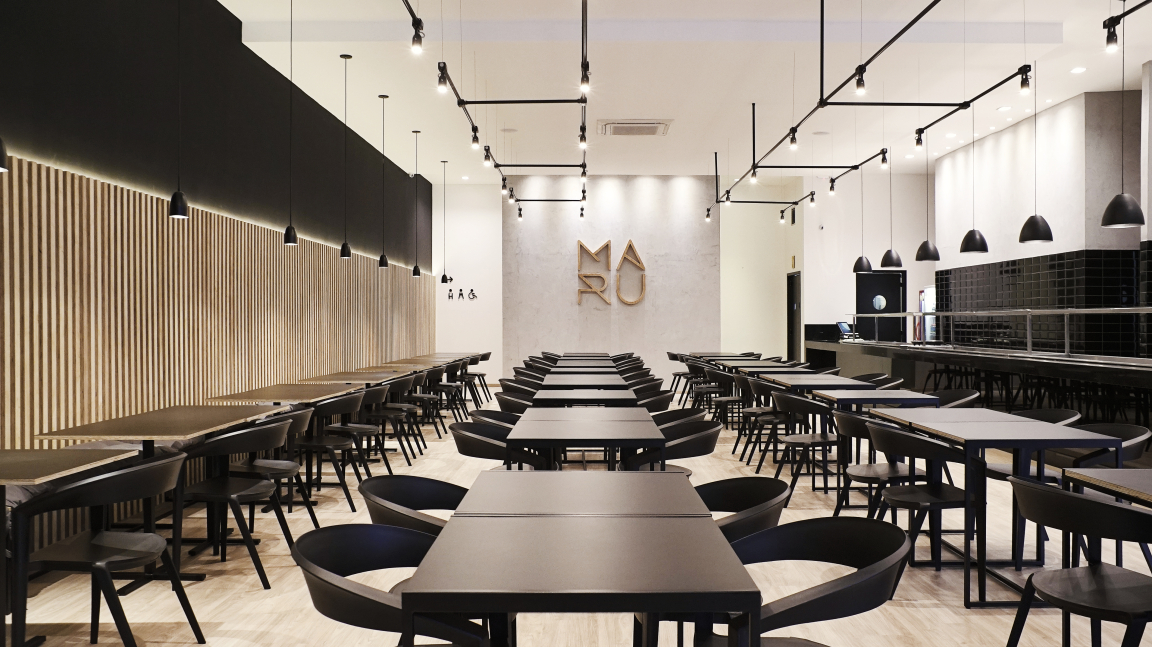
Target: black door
(795,352)
(881,291)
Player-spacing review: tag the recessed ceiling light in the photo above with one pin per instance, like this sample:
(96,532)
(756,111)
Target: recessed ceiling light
(1008,119)
(1047,101)
(947,148)
(991,127)
(961,141)
(950,135)
(1004,108)
(1027,110)
(909,156)
(1079,70)
(464,178)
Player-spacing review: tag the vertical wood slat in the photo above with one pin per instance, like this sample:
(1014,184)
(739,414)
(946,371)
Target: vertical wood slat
(108,307)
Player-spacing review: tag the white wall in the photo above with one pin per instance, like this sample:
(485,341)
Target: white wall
(755,259)
(664,217)
(473,255)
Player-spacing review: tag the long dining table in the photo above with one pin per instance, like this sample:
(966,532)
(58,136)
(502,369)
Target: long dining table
(580,542)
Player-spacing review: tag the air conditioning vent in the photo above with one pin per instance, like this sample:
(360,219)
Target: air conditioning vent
(633,127)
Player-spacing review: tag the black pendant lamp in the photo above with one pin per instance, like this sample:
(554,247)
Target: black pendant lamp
(444,223)
(927,251)
(3,157)
(178,206)
(290,231)
(1035,229)
(891,257)
(416,207)
(974,242)
(862,264)
(345,249)
(1123,210)
(383,188)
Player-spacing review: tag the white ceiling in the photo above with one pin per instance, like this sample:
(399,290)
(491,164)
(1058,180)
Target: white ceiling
(700,64)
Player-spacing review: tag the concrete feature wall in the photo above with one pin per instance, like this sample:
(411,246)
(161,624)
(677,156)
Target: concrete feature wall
(664,218)
(1078,173)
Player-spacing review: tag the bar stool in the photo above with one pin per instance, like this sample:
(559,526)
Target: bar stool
(482,378)
(362,433)
(397,401)
(802,448)
(277,470)
(397,419)
(320,446)
(851,426)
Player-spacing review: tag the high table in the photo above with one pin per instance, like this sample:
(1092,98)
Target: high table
(165,425)
(34,467)
(553,436)
(288,393)
(801,383)
(855,399)
(1023,437)
(583,381)
(567,370)
(584,397)
(366,378)
(595,551)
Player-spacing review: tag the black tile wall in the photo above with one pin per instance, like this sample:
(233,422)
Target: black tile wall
(1089,278)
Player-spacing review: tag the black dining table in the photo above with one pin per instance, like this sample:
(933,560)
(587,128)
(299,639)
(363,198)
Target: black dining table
(585,363)
(1133,485)
(586,355)
(585,414)
(551,437)
(803,383)
(583,381)
(855,399)
(580,543)
(584,397)
(569,370)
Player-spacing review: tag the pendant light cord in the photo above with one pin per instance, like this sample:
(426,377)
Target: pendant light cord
(383,174)
(1035,142)
(444,217)
(345,150)
(884,137)
(291,97)
(1123,53)
(856,154)
(179,97)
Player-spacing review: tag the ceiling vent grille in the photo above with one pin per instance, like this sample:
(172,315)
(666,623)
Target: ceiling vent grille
(634,127)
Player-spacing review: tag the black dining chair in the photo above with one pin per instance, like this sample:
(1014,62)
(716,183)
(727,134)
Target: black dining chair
(800,449)
(329,556)
(398,501)
(761,414)
(877,551)
(636,374)
(869,377)
(755,502)
(888,383)
(96,550)
(678,416)
(509,386)
(482,378)
(923,500)
(876,476)
(319,446)
(656,402)
(726,401)
(363,434)
(222,490)
(498,418)
(1099,591)
(487,441)
(513,402)
(686,440)
(277,470)
(535,374)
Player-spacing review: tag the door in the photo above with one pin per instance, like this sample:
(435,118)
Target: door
(795,351)
(881,291)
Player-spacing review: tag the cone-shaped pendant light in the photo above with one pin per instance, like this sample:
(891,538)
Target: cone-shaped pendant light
(416,207)
(383,188)
(974,242)
(178,206)
(927,250)
(444,222)
(862,264)
(3,157)
(1035,229)
(1123,210)
(290,231)
(891,257)
(345,249)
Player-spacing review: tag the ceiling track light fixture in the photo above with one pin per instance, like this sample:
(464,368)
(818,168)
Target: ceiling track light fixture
(289,232)
(1123,210)
(583,196)
(178,206)
(708,215)
(966,105)
(792,145)
(583,174)
(417,30)
(519,213)
(346,249)
(919,142)
(581,213)
(585,84)
(512,195)
(583,139)
(812,199)
(503,186)
(861,90)
(832,187)
(1112,41)
(487,157)
(884,158)
(782,216)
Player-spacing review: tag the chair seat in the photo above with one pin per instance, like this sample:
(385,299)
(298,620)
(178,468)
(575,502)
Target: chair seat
(385,415)
(399,406)
(880,472)
(222,488)
(728,399)
(752,412)
(266,468)
(116,551)
(352,429)
(1103,591)
(817,440)
(323,442)
(922,495)
(423,397)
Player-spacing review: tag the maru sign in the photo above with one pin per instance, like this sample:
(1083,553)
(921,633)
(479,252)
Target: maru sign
(597,282)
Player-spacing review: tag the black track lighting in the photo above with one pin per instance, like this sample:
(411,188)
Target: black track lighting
(583,196)
(728,197)
(927,252)
(583,139)
(290,235)
(708,215)
(583,176)
(512,196)
(1025,83)
(1113,42)
(417,36)
(581,213)
(792,145)
(832,187)
(345,251)
(891,259)
(475,138)
(860,89)
(584,83)
(442,82)
(487,157)
(782,216)
(504,186)
(884,158)
(753,178)
(520,213)
(812,199)
(919,140)
(793,213)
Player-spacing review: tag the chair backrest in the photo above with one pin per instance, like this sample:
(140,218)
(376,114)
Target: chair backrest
(834,370)
(673,357)
(418,379)
(687,427)
(507,402)
(328,556)
(244,441)
(374,395)
(756,502)
(338,406)
(553,356)
(870,377)
(530,382)
(656,403)
(397,501)
(678,416)
(141,481)
(638,373)
(521,372)
(1081,514)
(474,360)
(887,383)
(751,354)
(876,549)
(701,443)
(491,431)
(484,357)
(434,375)
(299,419)
(902,443)
(799,406)
(957,398)
(513,387)
(1135,440)
(1053,416)
(720,377)
(851,425)
(499,418)
(399,388)
(763,391)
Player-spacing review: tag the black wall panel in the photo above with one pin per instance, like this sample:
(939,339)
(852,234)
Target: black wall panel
(91,86)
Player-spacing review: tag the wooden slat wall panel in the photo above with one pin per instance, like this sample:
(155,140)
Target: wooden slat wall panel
(108,307)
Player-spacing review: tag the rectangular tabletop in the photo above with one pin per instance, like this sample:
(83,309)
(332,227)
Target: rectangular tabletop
(918,418)
(775,370)
(570,433)
(851,398)
(585,363)
(599,494)
(1134,485)
(289,393)
(1010,435)
(748,363)
(406,367)
(578,564)
(568,370)
(172,423)
(604,355)
(36,466)
(584,397)
(585,414)
(578,381)
(355,377)
(815,382)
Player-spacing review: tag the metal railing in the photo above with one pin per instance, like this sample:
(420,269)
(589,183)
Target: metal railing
(1017,312)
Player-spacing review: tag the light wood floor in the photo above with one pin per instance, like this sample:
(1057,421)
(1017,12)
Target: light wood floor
(235,611)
